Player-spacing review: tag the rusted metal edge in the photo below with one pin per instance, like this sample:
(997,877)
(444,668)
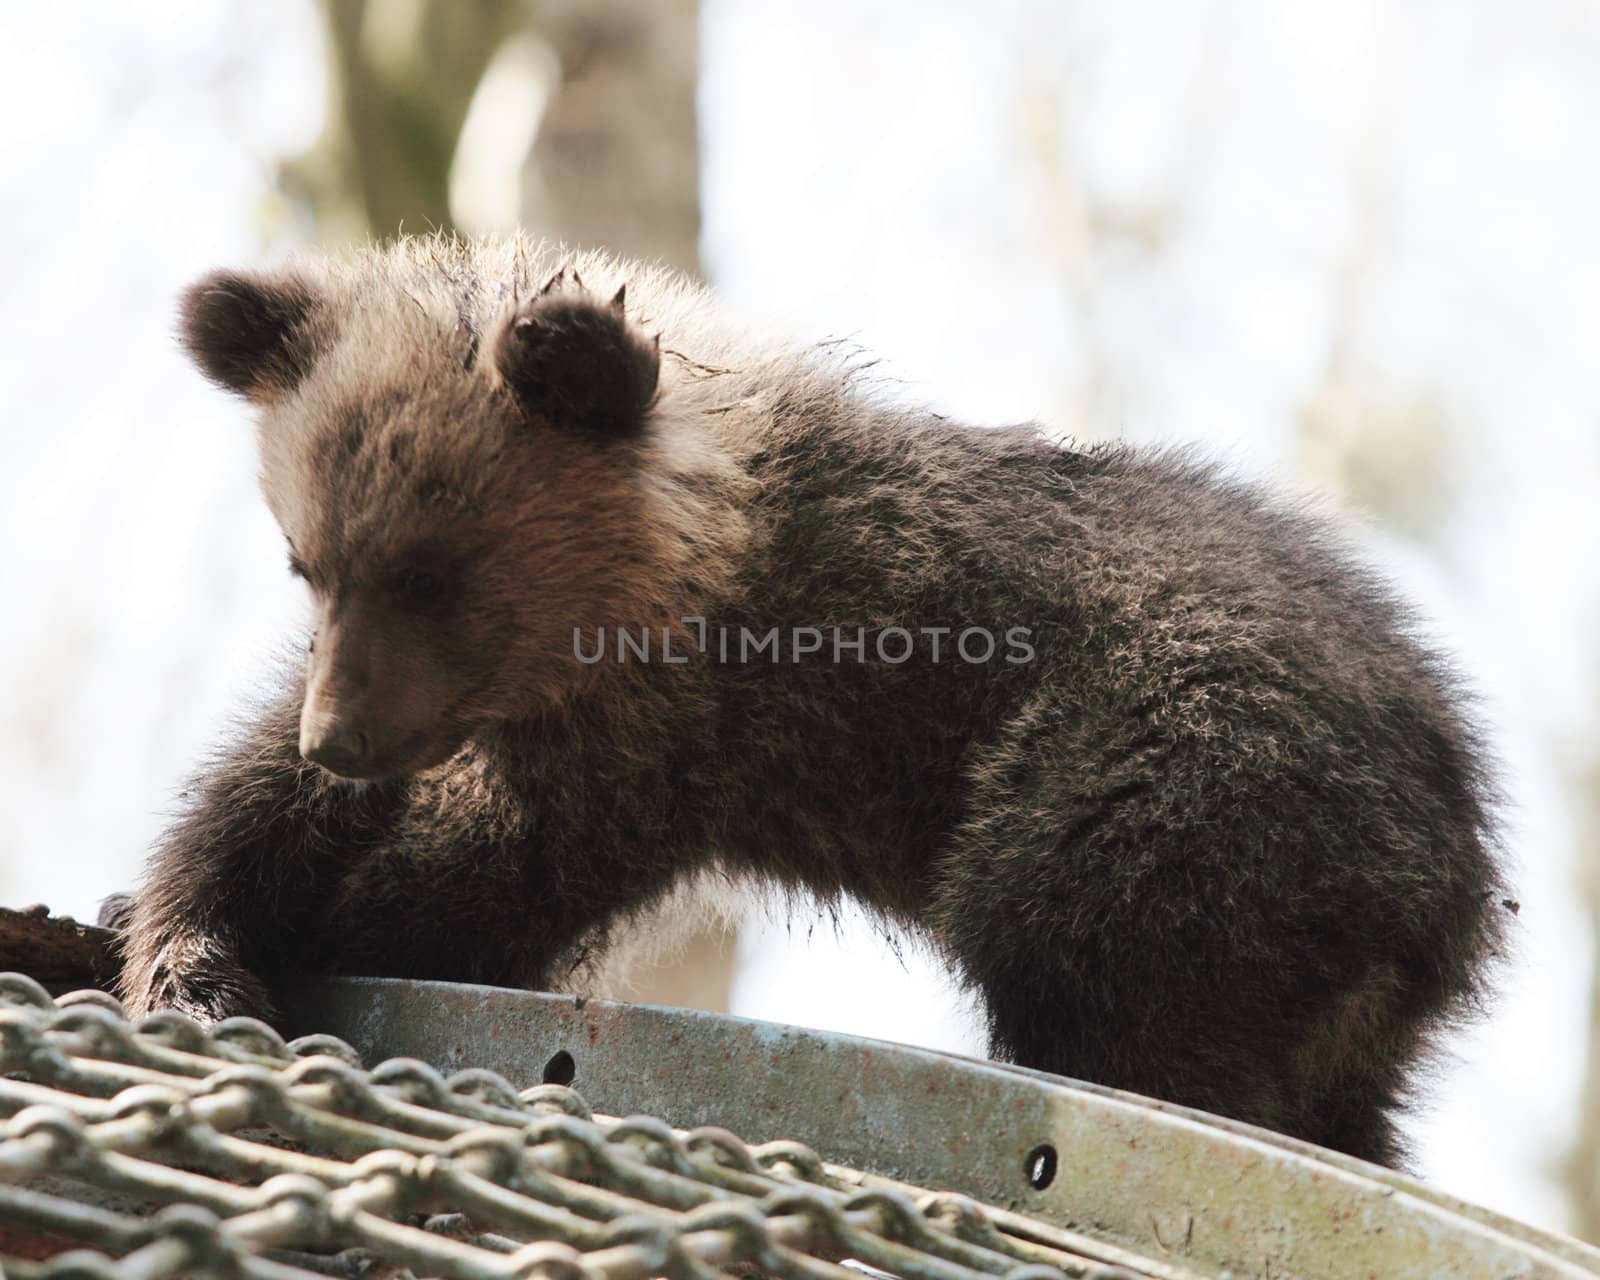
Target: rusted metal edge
(1158,1180)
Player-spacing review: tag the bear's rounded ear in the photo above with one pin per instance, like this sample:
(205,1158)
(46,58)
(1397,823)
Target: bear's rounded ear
(243,330)
(571,360)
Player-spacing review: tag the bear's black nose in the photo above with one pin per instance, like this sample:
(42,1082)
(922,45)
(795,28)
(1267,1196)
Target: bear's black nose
(338,748)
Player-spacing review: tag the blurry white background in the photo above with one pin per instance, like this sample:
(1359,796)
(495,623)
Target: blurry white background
(1351,246)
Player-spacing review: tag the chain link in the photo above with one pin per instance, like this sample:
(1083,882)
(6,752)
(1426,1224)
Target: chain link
(166,1149)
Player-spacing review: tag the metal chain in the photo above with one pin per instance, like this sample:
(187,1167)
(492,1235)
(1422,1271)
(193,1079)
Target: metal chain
(277,1160)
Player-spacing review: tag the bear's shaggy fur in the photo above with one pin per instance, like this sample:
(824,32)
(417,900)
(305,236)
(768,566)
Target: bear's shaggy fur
(1216,830)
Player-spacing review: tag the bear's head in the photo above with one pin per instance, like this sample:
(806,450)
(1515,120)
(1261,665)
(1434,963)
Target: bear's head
(462,478)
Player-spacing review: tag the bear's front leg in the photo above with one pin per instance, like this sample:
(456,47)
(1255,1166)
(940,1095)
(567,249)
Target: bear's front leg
(235,882)
(485,886)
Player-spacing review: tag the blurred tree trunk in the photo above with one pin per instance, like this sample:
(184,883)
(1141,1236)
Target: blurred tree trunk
(400,79)
(617,159)
(615,164)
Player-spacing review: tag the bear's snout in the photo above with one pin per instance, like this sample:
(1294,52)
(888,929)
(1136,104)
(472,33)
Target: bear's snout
(341,748)
(337,730)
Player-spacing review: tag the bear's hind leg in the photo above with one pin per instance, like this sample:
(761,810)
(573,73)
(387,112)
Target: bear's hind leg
(1109,949)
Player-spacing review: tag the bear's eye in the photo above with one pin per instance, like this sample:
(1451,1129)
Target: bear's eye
(419,586)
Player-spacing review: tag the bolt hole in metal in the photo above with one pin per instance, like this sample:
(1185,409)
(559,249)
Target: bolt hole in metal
(1039,1166)
(561,1069)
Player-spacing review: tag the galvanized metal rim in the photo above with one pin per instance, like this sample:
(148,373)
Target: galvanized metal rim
(1180,1191)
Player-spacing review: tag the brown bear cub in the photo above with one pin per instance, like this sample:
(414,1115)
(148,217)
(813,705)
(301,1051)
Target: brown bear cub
(607,594)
